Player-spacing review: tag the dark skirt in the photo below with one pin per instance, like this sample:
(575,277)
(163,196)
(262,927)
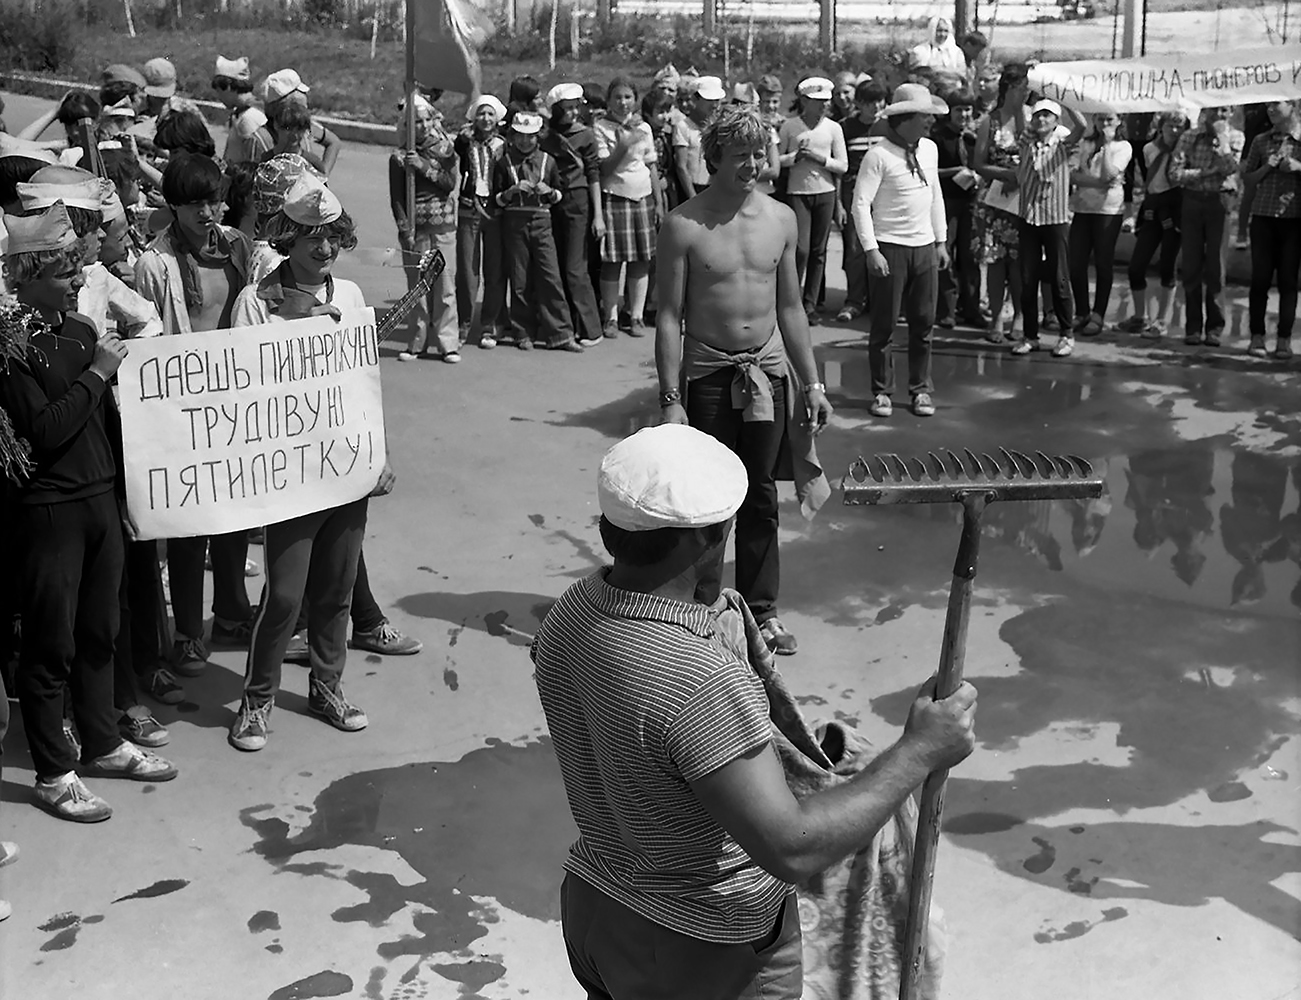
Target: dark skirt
(629,229)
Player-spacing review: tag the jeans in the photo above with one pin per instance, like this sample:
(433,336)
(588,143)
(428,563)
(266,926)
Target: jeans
(757,444)
(1275,248)
(312,558)
(959,283)
(1043,253)
(909,286)
(185,563)
(71,574)
(1093,237)
(538,309)
(813,217)
(855,257)
(1203,228)
(571,219)
(617,954)
(1158,228)
(480,265)
(437,315)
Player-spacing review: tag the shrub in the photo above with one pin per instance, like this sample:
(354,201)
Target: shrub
(42,39)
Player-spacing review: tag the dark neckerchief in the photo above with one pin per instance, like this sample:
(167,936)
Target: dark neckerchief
(287,281)
(216,252)
(909,155)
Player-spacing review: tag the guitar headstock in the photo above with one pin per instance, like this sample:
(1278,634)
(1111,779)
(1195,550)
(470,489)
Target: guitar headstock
(432,263)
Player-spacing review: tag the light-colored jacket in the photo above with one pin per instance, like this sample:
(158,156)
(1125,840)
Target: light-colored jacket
(158,277)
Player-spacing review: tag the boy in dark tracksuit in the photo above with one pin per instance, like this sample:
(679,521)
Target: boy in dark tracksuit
(573,146)
(959,291)
(526,184)
(54,389)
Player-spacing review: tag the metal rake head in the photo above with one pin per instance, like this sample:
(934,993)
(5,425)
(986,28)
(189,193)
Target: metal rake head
(948,477)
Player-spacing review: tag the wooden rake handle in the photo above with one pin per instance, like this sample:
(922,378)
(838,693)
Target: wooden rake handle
(953,654)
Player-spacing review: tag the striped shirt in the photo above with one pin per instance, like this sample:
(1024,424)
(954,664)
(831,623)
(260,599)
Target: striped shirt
(642,698)
(1044,179)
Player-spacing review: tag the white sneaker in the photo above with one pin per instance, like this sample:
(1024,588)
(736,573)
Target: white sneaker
(1065,347)
(408,356)
(881,406)
(68,798)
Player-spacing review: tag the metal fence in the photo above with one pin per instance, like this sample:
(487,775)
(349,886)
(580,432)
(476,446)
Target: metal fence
(857,11)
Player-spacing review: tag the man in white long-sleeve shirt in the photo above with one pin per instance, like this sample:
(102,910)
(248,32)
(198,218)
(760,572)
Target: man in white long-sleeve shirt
(899,214)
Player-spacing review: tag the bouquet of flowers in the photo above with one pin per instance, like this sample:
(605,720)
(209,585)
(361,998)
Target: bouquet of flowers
(17,324)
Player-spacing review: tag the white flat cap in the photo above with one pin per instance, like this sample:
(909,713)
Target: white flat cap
(670,476)
(710,88)
(282,83)
(564,92)
(817,88)
(487,100)
(526,124)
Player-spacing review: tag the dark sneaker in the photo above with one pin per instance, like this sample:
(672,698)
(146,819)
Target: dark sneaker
(249,730)
(297,651)
(1283,349)
(1132,324)
(1256,348)
(387,641)
(68,798)
(1049,322)
(130,762)
(235,636)
(640,329)
(778,639)
(572,346)
(140,727)
(524,344)
(1193,337)
(74,741)
(189,657)
(610,329)
(162,687)
(1213,338)
(333,706)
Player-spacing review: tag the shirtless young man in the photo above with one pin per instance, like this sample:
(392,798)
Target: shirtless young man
(727,284)
(192,273)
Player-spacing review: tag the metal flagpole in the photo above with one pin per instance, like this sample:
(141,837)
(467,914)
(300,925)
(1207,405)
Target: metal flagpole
(411,109)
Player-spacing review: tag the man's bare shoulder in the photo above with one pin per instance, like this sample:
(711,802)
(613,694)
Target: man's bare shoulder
(698,214)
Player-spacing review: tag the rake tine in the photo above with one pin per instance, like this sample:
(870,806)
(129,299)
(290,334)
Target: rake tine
(1024,464)
(1044,464)
(995,470)
(1064,468)
(918,477)
(1082,466)
(1013,469)
(958,472)
(900,471)
(936,467)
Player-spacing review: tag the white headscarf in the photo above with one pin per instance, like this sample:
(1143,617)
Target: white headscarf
(948,56)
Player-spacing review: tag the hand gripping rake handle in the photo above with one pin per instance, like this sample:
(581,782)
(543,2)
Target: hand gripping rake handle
(974,481)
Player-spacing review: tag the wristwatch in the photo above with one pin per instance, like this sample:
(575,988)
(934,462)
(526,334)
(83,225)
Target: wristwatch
(670,396)
(816,387)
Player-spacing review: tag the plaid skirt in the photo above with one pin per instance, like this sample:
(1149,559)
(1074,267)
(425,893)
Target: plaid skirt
(629,229)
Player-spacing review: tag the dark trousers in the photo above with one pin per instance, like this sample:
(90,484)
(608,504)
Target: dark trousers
(143,623)
(571,219)
(1044,255)
(365,612)
(910,286)
(480,263)
(855,258)
(959,283)
(538,309)
(617,954)
(186,558)
(1093,238)
(312,558)
(757,443)
(71,574)
(1158,229)
(1275,250)
(813,216)
(1202,226)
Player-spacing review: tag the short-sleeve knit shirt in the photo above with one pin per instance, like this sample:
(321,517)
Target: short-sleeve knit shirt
(642,698)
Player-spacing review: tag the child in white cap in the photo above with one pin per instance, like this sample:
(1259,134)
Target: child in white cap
(704,94)
(479,252)
(285,86)
(526,185)
(573,145)
(246,127)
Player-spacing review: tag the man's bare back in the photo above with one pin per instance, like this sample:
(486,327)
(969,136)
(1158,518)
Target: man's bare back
(730,268)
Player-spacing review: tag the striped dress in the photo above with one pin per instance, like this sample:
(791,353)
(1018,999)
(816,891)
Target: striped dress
(642,698)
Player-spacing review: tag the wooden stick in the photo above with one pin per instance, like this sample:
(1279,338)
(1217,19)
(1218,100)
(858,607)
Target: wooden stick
(953,654)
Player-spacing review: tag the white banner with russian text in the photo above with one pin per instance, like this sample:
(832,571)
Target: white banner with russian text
(228,430)
(1179,81)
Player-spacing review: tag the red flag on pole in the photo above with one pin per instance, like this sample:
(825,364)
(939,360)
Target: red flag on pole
(447,36)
